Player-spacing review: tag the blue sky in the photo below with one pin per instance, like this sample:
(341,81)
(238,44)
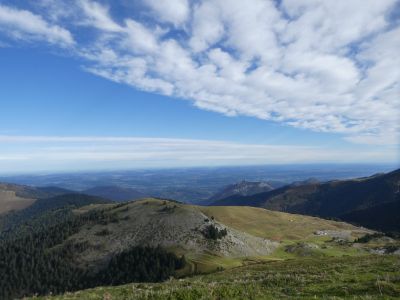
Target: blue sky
(126,84)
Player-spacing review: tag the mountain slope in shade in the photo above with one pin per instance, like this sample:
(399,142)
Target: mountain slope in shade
(14,197)
(351,200)
(384,216)
(243,188)
(116,193)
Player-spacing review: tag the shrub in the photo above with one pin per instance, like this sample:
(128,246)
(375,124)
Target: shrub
(213,233)
(368,237)
(103,232)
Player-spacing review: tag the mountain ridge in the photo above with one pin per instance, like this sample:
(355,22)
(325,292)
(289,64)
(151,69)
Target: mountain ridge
(335,198)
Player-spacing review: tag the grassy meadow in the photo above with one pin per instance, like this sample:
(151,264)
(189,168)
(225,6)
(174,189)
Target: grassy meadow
(367,277)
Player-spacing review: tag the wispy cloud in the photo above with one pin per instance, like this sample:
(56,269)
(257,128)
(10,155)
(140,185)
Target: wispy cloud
(327,66)
(24,25)
(25,153)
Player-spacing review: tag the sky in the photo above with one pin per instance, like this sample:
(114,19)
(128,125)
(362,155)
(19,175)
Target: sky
(95,84)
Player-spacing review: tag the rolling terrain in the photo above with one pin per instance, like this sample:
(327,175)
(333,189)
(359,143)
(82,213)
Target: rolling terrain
(369,201)
(70,241)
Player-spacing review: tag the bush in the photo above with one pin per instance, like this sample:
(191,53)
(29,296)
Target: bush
(213,233)
(368,237)
(103,232)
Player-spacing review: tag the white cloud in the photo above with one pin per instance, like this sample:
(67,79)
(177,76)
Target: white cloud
(24,25)
(173,11)
(97,16)
(207,26)
(328,66)
(140,39)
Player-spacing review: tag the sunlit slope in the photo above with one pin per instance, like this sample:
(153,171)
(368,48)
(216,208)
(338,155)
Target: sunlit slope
(275,225)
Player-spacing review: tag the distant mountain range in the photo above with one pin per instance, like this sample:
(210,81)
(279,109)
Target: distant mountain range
(196,185)
(370,201)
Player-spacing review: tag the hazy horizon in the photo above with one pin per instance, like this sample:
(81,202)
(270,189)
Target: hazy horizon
(379,167)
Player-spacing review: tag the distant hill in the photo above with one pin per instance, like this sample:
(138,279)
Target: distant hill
(116,193)
(243,188)
(15,197)
(305,182)
(43,206)
(351,200)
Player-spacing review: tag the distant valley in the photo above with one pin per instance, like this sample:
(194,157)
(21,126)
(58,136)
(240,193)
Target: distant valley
(192,185)
(115,193)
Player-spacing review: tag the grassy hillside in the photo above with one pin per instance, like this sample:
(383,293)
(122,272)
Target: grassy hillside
(251,232)
(369,277)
